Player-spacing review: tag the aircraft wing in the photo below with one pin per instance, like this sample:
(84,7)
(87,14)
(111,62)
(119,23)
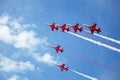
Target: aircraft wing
(92,31)
(62,69)
(47,24)
(52,46)
(85,25)
(52,28)
(69,25)
(57,50)
(56,64)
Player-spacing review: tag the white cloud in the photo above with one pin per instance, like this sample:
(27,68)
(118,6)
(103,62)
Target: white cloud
(15,77)
(9,65)
(15,25)
(4,19)
(12,32)
(18,35)
(5,34)
(26,39)
(46,58)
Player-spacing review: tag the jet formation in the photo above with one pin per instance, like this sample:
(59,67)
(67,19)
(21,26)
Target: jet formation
(75,27)
(67,27)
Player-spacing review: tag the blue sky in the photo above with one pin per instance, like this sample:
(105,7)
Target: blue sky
(24,54)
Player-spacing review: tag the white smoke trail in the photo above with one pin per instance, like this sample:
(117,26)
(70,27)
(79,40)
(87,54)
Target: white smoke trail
(89,77)
(107,38)
(96,42)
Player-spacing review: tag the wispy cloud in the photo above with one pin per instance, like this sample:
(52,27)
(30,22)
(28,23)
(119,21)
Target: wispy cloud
(4,19)
(16,34)
(22,38)
(14,66)
(16,77)
(26,40)
(5,34)
(46,58)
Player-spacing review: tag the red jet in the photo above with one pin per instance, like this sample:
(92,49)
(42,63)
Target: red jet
(76,27)
(62,67)
(53,26)
(64,28)
(57,48)
(92,28)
